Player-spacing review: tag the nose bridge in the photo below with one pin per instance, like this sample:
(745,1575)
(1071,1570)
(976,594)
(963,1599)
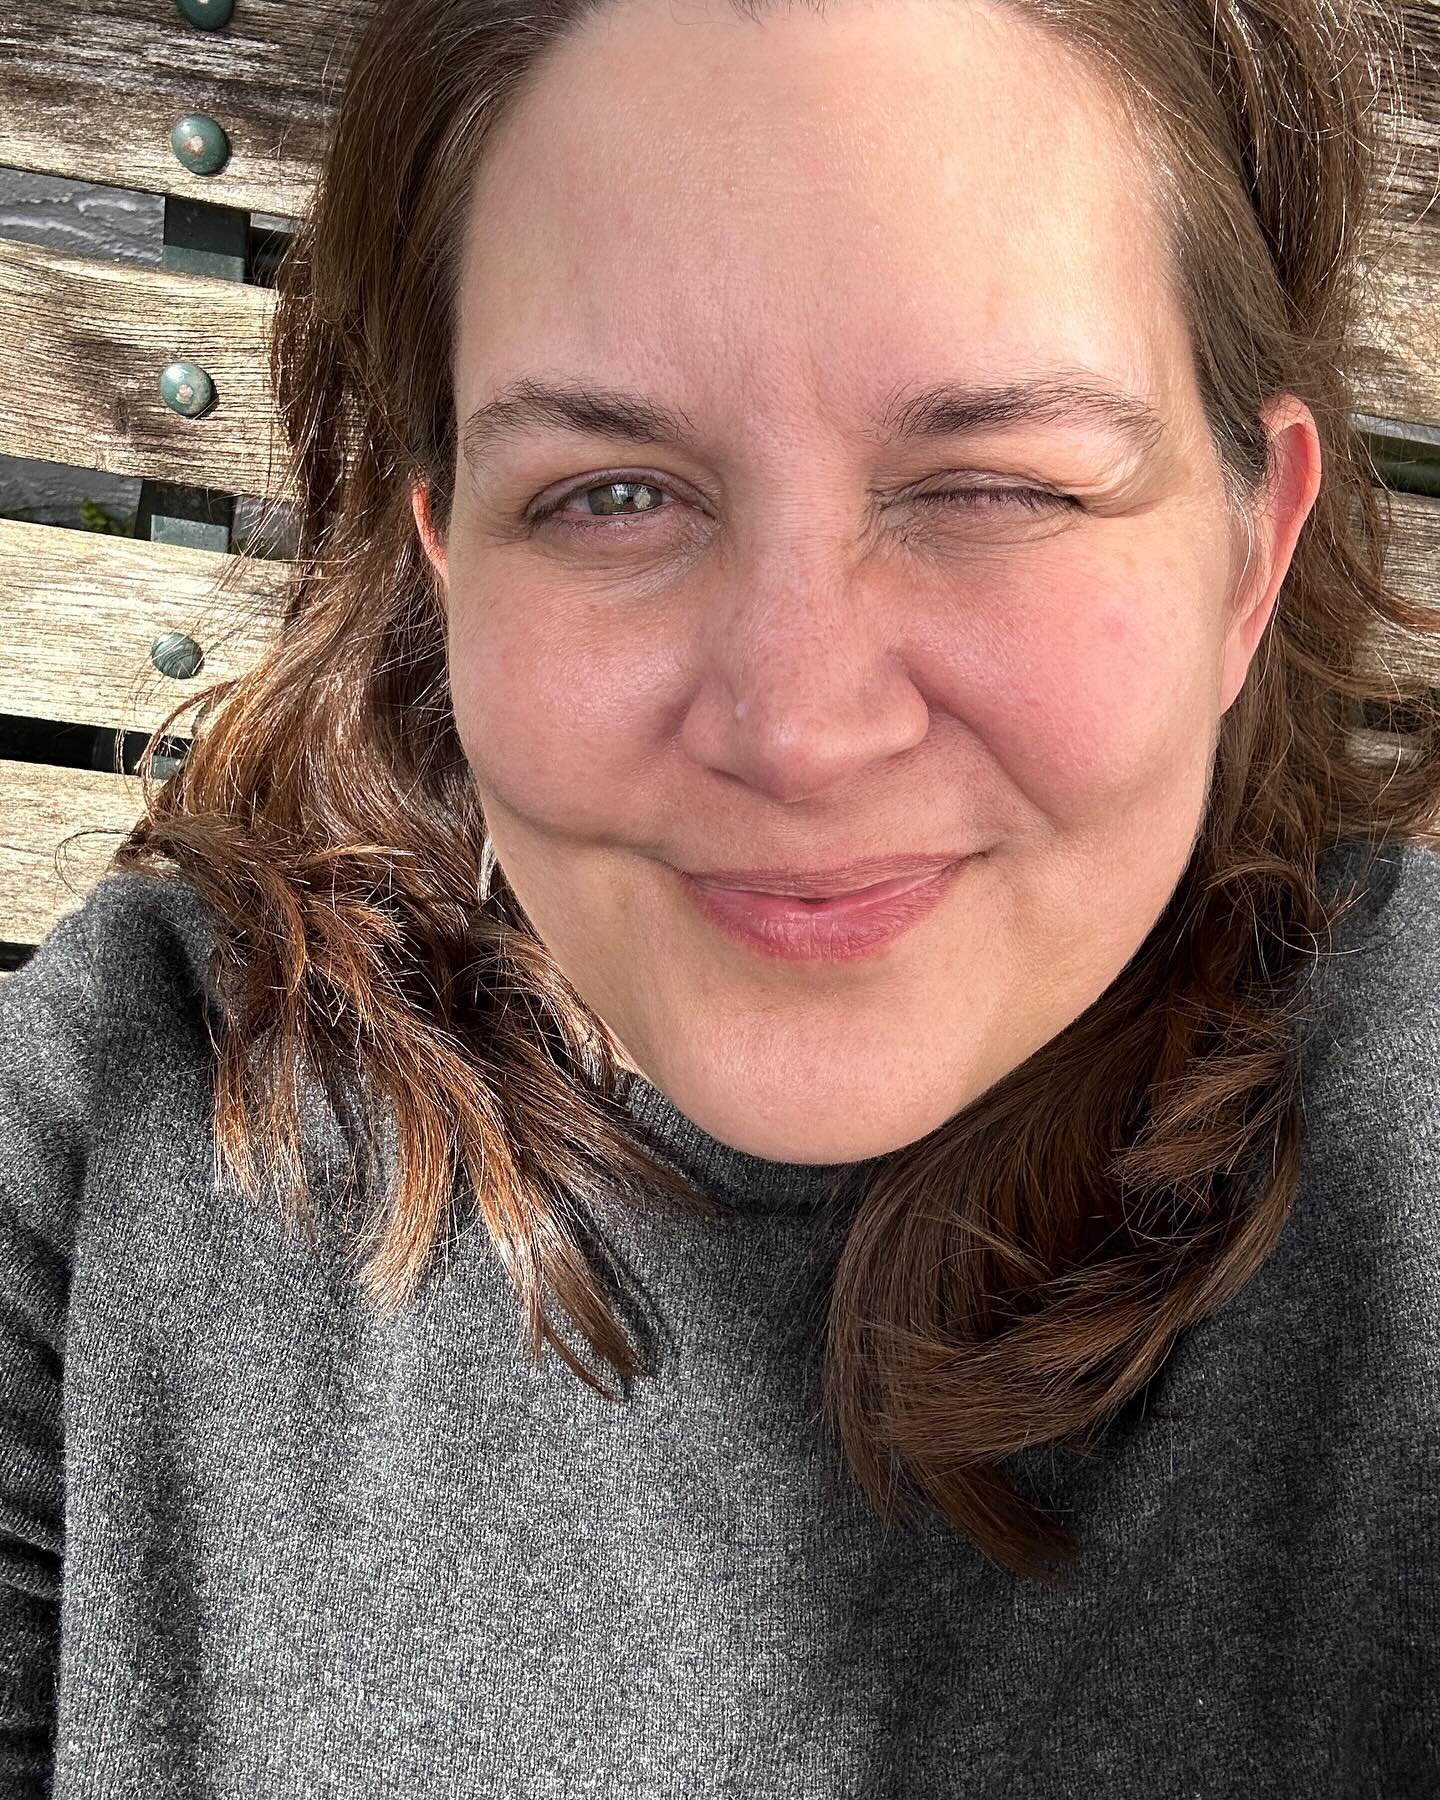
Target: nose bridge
(803,680)
(803,611)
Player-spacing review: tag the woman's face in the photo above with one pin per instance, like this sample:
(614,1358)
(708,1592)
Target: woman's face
(772,651)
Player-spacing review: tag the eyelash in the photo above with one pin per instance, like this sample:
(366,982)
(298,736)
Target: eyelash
(1033,499)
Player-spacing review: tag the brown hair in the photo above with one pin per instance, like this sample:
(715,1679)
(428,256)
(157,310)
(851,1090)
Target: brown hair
(1018,1274)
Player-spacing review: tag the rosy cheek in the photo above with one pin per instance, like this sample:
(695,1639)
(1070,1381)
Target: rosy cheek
(1085,694)
(1112,627)
(551,718)
(1097,689)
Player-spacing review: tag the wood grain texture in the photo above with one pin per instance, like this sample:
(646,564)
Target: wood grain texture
(91,91)
(42,806)
(82,344)
(1414,564)
(1399,349)
(79,613)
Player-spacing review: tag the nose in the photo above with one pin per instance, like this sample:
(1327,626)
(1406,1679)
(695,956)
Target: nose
(802,684)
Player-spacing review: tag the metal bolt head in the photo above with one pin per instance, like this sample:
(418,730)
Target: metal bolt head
(187,389)
(176,655)
(200,143)
(209,15)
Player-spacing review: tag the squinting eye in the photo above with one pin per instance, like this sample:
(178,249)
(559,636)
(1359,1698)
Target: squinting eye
(975,499)
(1037,499)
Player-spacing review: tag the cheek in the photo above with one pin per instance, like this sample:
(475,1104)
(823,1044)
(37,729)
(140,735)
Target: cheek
(1086,683)
(1101,684)
(554,713)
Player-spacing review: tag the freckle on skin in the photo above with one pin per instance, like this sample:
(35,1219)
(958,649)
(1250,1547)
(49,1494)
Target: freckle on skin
(1114,627)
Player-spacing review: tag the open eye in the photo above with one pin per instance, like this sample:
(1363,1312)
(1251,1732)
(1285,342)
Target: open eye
(618,491)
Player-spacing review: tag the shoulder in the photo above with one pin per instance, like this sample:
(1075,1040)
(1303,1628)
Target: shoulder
(134,911)
(1377,990)
(1363,1245)
(1343,1314)
(106,1016)
(132,959)
(1370,1062)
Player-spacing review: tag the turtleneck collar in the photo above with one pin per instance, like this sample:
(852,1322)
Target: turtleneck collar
(746,1183)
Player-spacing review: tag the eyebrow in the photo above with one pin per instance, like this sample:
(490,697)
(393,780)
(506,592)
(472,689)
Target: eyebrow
(946,409)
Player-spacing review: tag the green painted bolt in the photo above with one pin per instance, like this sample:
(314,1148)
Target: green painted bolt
(187,389)
(209,15)
(200,143)
(177,656)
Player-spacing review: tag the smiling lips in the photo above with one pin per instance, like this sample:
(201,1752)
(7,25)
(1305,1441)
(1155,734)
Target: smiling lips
(867,877)
(843,927)
(788,899)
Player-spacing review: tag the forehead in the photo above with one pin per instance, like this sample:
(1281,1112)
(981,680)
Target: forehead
(804,199)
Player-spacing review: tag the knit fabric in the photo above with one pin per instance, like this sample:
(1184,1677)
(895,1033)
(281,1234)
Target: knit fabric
(256,1542)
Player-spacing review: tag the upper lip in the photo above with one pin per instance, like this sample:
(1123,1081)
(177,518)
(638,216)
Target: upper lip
(824,883)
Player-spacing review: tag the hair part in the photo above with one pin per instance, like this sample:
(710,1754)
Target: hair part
(1014,1278)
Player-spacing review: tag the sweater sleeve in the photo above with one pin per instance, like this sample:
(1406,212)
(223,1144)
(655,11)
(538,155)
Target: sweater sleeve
(47,1010)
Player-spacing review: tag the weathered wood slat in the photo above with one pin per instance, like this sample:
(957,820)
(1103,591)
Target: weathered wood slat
(39,807)
(79,613)
(91,91)
(1400,331)
(82,344)
(1398,363)
(1414,563)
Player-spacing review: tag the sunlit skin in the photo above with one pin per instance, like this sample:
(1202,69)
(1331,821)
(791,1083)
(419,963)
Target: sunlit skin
(790,659)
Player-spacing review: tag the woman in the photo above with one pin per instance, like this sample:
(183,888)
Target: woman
(980,1338)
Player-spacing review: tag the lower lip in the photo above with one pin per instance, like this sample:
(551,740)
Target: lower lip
(841,929)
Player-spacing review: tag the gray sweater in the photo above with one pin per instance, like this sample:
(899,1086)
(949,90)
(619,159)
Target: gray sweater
(253,1543)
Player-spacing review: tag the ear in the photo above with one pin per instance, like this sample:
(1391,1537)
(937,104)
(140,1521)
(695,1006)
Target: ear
(1283,507)
(430,540)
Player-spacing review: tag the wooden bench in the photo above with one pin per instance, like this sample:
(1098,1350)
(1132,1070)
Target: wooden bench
(97,630)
